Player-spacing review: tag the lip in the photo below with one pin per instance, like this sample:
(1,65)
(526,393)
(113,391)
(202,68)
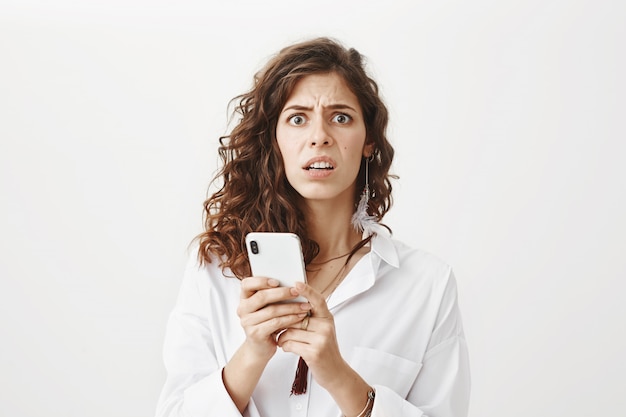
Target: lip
(319,159)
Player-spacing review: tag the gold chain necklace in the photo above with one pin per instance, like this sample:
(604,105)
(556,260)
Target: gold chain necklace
(335,281)
(331,259)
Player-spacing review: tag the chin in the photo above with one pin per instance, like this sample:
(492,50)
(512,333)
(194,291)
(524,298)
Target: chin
(328,195)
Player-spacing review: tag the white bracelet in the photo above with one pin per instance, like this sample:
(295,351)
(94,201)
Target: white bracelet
(367,411)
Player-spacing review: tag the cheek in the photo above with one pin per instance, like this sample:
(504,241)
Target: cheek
(289,156)
(286,139)
(355,143)
(282,146)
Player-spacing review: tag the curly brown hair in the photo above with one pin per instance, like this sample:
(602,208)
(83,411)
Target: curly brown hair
(254,194)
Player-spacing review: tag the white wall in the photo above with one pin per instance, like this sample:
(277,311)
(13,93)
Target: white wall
(507,117)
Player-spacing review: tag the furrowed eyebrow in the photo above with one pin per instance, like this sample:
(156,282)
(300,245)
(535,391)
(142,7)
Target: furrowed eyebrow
(298,107)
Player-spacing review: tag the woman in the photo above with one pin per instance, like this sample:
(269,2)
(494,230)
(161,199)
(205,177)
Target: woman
(381,333)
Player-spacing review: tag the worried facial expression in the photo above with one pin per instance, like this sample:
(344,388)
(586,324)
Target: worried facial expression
(321,135)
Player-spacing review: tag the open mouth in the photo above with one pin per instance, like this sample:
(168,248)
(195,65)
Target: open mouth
(320,165)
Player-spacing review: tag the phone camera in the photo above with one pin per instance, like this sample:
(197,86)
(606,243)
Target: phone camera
(254,247)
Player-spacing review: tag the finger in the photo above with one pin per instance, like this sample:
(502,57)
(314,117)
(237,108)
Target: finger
(297,340)
(317,301)
(294,334)
(273,311)
(270,296)
(273,326)
(304,324)
(313,343)
(306,330)
(251,285)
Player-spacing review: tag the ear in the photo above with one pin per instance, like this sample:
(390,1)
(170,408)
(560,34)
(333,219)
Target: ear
(368,149)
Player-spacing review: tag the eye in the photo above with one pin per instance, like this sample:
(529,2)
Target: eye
(342,118)
(296,120)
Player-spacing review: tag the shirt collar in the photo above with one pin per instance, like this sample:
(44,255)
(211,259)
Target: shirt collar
(363,274)
(382,245)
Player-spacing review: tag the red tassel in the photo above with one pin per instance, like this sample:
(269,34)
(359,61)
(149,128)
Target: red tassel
(300,381)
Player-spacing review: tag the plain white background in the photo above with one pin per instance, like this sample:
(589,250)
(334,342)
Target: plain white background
(508,121)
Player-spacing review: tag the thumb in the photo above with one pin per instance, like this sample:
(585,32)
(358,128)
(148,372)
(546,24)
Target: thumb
(317,301)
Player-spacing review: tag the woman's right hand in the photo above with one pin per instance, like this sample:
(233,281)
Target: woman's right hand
(263,317)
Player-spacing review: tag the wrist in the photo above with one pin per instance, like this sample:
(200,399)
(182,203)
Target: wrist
(344,381)
(369,405)
(351,393)
(255,352)
(242,373)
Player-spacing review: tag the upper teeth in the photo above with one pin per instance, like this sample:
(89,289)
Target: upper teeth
(320,165)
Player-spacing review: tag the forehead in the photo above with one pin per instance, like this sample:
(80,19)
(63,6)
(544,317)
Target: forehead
(322,89)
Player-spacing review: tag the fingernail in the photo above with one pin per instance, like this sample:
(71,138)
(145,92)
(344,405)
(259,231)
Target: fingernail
(293,291)
(305,306)
(299,285)
(272,282)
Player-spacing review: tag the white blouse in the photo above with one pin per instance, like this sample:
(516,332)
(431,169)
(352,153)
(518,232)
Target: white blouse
(398,325)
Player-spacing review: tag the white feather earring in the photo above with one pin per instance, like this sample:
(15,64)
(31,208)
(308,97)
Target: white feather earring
(361,220)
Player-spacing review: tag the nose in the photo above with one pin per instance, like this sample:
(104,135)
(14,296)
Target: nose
(319,133)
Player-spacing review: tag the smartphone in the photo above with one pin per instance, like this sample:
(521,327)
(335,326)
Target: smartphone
(277,255)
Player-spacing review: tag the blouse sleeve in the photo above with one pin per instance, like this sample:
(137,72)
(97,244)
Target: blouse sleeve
(442,388)
(194,385)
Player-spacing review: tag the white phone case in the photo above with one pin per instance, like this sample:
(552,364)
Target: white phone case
(277,255)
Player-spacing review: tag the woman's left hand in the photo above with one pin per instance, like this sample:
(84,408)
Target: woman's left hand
(315,340)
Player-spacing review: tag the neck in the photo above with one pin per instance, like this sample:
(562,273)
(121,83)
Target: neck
(330,226)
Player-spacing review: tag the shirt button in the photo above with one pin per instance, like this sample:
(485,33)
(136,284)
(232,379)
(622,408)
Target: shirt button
(298,406)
